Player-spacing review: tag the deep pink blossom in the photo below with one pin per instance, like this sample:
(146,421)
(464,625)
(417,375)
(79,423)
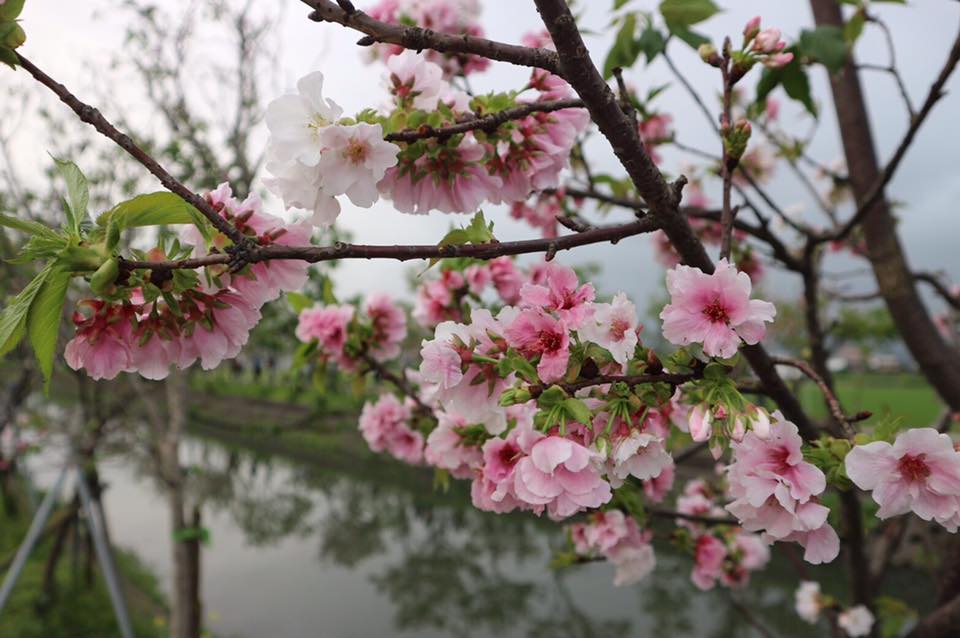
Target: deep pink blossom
(562,293)
(708,558)
(535,333)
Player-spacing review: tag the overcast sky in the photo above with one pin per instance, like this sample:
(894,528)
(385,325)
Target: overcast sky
(73,41)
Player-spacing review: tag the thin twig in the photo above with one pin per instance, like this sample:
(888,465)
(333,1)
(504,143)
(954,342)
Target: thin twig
(876,191)
(93,117)
(832,401)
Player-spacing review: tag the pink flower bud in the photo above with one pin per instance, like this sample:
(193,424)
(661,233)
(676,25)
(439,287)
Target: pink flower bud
(778,61)
(752,28)
(767,41)
(699,423)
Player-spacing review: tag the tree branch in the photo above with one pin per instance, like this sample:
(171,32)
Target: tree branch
(418,39)
(488,123)
(604,379)
(93,117)
(340,250)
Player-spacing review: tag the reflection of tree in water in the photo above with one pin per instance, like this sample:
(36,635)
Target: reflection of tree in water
(458,571)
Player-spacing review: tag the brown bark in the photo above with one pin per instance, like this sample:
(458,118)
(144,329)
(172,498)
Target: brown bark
(938,361)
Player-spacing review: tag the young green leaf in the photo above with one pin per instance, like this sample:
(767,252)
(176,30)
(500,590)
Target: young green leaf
(152,209)
(826,45)
(684,13)
(43,320)
(78,193)
(27,226)
(13,318)
(625,47)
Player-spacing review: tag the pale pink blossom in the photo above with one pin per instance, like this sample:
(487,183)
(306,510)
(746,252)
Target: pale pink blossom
(920,472)
(768,41)
(715,310)
(560,475)
(295,121)
(413,80)
(699,422)
(807,601)
(506,279)
(613,326)
(638,454)
(385,427)
(354,160)
(856,621)
(446,448)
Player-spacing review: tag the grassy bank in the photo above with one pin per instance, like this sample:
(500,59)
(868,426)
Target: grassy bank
(901,395)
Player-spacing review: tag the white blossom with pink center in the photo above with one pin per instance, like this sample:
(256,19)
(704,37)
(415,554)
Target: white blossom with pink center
(413,80)
(920,472)
(715,310)
(447,450)
(354,160)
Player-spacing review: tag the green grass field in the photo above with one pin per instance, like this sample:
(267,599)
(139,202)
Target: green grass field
(900,395)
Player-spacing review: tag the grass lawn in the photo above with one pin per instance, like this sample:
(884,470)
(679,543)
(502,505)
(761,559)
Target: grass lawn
(903,395)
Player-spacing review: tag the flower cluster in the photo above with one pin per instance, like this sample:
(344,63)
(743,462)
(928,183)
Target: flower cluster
(456,17)
(616,537)
(385,426)
(151,325)
(766,44)
(344,336)
(775,491)
(313,156)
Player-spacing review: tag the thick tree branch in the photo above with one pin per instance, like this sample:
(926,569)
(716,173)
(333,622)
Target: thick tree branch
(662,198)
(418,39)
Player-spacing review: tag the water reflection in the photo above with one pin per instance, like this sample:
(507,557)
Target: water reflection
(360,546)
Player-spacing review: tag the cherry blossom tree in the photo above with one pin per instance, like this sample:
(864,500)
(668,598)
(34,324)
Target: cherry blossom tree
(530,383)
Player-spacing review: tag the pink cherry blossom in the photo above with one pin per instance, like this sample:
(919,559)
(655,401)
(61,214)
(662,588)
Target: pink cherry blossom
(506,279)
(614,327)
(638,454)
(535,333)
(562,476)
(920,472)
(384,426)
(807,601)
(657,488)
(414,80)
(708,558)
(560,292)
(856,621)
(328,326)
(768,41)
(446,448)
(354,160)
(389,326)
(715,310)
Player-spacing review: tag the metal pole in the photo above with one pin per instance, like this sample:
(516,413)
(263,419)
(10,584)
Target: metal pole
(33,535)
(94,522)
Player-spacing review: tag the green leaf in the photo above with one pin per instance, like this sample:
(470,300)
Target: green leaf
(78,193)
(651,43)
(10,9)
(153,209)
(826,45)
(27,226)
(299,301)
(578,410)
(625,48)
(13,318)
(854,27)
(8,57)
(692,38)
(43,320)
(684,13)
(793,78)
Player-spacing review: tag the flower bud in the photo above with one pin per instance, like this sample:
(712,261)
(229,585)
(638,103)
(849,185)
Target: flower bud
(768,41)
(15,37)
(699,422)
(708,53)
(10,9)
(751,29)
(102,280)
